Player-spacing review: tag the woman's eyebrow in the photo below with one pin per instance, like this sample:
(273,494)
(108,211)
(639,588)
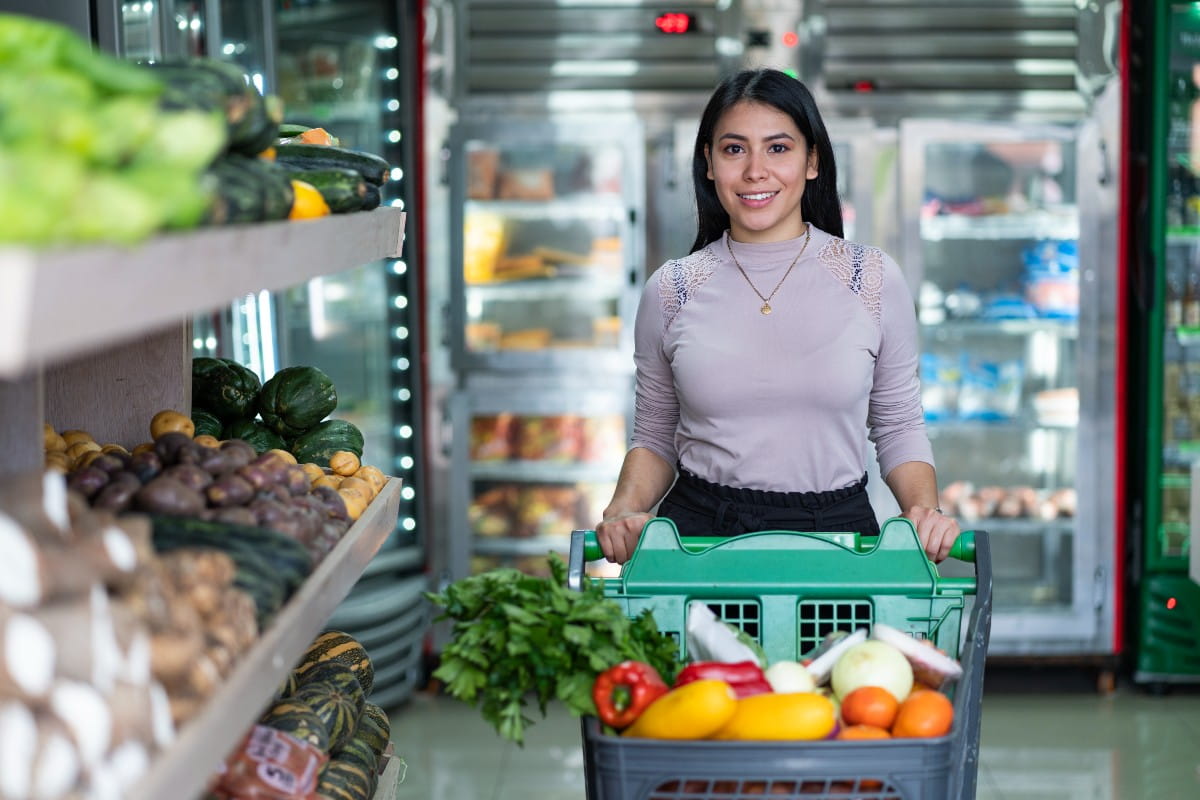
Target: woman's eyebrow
(739,137)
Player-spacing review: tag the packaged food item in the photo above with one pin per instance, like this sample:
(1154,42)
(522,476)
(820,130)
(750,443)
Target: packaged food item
(930,666)
(548,511)
(492,437)
(272,765)
(532,183)
(602,438)
(493,512)
(548,438)
(829,651)
(483,165)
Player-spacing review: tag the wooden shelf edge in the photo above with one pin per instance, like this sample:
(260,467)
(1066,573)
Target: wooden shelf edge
(64,303)
(187,765)
(389,782)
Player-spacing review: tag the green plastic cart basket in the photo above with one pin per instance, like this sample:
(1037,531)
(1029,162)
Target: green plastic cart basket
(787,590)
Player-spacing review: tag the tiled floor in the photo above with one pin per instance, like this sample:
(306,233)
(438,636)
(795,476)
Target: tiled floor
(1059,745)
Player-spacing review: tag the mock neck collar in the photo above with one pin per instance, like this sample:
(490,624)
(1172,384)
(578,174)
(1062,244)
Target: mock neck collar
(768,255)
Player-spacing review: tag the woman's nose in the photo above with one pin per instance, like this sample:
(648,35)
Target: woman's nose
(756,167)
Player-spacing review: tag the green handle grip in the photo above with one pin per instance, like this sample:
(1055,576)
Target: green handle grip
(963,549)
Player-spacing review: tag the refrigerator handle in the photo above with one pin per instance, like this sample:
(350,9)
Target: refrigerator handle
(1143,256)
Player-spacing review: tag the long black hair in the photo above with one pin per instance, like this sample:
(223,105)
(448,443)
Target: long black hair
(820,204)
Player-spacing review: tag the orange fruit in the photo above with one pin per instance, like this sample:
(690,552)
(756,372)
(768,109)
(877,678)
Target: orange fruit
(924,714)
(870,705)
(863,732)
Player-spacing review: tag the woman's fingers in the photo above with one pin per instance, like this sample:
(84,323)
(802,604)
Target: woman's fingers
(618,536)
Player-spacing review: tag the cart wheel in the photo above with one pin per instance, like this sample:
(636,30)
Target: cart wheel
(1106,682)
(1159,688)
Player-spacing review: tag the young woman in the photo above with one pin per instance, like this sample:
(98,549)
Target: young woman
(768,356)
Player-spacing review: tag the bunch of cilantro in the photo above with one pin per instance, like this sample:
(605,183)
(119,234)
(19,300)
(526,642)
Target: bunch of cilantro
(516,637)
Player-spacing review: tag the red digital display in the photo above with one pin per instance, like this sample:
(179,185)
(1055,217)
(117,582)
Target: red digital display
(674,22)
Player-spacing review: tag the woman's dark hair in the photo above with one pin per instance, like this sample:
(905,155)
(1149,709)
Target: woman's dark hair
(820,204)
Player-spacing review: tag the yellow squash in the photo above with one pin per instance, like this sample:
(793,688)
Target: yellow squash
(774,717)
(693,711)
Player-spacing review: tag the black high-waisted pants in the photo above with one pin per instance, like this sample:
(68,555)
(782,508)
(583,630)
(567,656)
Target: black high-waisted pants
(700,508)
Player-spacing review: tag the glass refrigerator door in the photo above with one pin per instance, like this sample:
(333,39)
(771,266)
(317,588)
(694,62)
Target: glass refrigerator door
(990,251)
(1169,596)
(549,261)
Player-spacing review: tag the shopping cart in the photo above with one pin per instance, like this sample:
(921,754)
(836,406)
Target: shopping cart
(787,591)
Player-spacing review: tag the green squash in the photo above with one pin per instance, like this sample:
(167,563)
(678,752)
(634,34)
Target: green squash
(224,387)
(207,423)
(334,707)
(299,720)
(332,435)
(255,434)
(295,399)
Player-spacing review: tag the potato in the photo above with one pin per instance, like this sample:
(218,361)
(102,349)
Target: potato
(343,462)
(171,421)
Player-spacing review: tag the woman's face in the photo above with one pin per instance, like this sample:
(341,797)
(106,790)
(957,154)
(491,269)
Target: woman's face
(760,162)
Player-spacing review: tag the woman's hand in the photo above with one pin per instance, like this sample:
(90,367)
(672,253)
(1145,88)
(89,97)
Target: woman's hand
(936,531)
(618,534)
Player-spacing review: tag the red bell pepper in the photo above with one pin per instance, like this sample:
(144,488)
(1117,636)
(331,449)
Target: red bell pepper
(623,692)
(746,677)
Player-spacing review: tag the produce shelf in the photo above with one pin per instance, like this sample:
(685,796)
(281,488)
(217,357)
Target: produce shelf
(204,741)
(62,303)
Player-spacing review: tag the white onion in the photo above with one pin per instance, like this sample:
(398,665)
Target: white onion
(789,676)
(873,663)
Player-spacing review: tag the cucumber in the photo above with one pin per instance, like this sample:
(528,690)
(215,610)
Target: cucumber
(344,190)
(320,156)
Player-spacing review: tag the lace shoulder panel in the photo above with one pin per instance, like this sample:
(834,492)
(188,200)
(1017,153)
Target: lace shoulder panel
(859,268)
(680,278)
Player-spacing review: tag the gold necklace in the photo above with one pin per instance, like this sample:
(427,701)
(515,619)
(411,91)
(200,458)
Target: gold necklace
(766,306)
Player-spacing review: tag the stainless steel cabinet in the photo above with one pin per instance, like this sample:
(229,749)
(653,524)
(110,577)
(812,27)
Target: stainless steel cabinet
(1018,412)
(546,255)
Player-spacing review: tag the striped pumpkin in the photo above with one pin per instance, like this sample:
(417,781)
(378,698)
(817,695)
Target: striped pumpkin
(334,708)
(341,780)
(340,677)
(298,720)
(342,648)
(374,728)
(359,752)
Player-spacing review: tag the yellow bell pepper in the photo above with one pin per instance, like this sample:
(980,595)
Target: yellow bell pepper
(693,711)
(774,717)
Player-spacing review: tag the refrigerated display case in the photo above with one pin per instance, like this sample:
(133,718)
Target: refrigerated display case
(546,252)
(1017,390)
(1164,431)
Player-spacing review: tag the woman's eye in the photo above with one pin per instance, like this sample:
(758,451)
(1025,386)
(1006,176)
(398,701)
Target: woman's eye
(733,149)
(779,148)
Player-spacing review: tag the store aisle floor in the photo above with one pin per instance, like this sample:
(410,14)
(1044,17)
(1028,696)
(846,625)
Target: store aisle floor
(1073,745)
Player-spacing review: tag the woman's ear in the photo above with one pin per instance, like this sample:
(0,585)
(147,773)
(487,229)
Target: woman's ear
(708,161)
(813,164)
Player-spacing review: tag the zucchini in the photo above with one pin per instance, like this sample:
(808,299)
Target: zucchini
(344,190)
(320,156)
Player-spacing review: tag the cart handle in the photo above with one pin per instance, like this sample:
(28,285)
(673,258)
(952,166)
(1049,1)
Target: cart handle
(963,548)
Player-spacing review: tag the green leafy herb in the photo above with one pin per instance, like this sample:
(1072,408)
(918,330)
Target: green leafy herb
(517,636)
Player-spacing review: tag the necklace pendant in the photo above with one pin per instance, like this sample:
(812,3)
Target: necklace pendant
(766,309)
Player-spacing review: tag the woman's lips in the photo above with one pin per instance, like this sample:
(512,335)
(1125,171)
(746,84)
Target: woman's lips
(756,199)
